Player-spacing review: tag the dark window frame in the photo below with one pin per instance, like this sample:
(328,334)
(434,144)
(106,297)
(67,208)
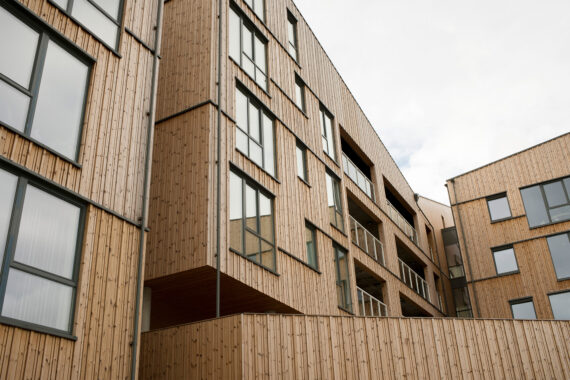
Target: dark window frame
(519,301)
(545,200)
(309,226)
(495,197)
(337,200)
(347,302)
(323,112)
(303,150)
(292,21)
(567,233)
(503,248)
(46,34)
(550,300)
(252,7)
(8,262)
(301,84)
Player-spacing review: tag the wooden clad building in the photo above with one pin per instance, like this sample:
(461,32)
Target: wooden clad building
(513,223)
(76,112)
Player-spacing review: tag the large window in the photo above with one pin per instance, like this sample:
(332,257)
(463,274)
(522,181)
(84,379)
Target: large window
(247,48)
(499,207)
(342,278)
(559,246)
(334,202)
(560,303)
(102,17)
(505,260)
(523,309)
(547,203)
(254,133)
(42,85)
(327,133)
(251,222)
(40,239)
(258,7)
(301,155)
(311,242)
(292,35)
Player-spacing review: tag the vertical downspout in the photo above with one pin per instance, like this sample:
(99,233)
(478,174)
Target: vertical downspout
(146,184)
(465,246)
(218,159)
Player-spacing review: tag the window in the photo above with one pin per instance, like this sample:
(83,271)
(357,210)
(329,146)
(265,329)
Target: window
(342,284)
(292,35)
(299,93)
(301,153)
(102,17)
(327,133)
(559,246)
(523,309)
(499,207)
(251,222)
(40,239)
(258,7)
(547,203)
(505,260)
(42,86)
(334,202)
(560,303)
(310,239)
(254,133)
(247,48)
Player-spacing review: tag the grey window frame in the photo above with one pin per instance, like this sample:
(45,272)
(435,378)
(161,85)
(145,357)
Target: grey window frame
(495,197)
(299,83)
(46,34)
(252,7)
(313,229)
(520,301)
(323,112)
(245,22)
(337,199)
(251,99)
(9,252)
(303,150)
(118,22)
(503,248)
(291,20)
(258,189)
(550,301)
(567,233)
(347,306)
(545,201)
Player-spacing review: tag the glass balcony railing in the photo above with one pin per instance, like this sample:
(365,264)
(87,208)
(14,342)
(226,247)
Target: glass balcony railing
(413,280)
(402,223)
(358,177)
(363,239)
(370,306)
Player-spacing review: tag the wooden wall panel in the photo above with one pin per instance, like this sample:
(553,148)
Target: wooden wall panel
(358,348)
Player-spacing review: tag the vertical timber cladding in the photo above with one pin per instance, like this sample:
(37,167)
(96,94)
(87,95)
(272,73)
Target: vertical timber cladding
(251,346)
(111,173)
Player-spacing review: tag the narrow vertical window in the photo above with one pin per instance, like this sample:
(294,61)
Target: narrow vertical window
(334,202)
(311,242)
(327,133)
(342,279)
(258,7)
(292,35)
(299,93)
(559,247)
(301,154)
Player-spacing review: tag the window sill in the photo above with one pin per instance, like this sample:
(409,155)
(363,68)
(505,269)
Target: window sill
(41,145)
(339,230)
(316,270)
(346,310)
(502,220)
(255,262)
(260,168)
(548,224)
(508,273)
(305,182)
(265,91)
(563,279)
(36,328)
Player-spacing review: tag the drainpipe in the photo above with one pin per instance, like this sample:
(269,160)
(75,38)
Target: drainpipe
(146,184)
(218,159)
(465,246)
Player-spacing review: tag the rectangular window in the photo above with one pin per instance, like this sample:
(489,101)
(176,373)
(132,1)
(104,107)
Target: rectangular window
(101,17)
(299,93)
(327,133)
(251,222)
(292,35)
(40,242)
(559,246)
(523,309)
(342,278)
(247,48)
(258,7)
(505,260)
(43,85)
(254,133)
(499,208)
(560,304)
(301,153)
(310,239)
(547,203)
(334,202)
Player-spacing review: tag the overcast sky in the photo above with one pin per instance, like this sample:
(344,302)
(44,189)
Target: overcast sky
(451,85)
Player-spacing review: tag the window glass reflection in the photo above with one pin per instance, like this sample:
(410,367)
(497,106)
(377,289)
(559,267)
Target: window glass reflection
(96,21)
(13,106)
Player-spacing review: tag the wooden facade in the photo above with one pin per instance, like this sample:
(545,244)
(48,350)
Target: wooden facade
(108,178)
(490,293)
(254,346)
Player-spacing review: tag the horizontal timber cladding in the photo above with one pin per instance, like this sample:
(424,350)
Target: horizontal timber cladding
(104,312)
(252,346)
(113,143)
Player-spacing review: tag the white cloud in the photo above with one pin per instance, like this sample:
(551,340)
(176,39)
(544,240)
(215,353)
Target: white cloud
(451,85)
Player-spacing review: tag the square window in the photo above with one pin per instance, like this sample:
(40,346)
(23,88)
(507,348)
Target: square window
(499,208)
(523,309)
(505,260)
(560,304)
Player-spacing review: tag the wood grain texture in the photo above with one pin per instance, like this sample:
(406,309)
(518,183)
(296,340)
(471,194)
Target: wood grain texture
(252,346)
